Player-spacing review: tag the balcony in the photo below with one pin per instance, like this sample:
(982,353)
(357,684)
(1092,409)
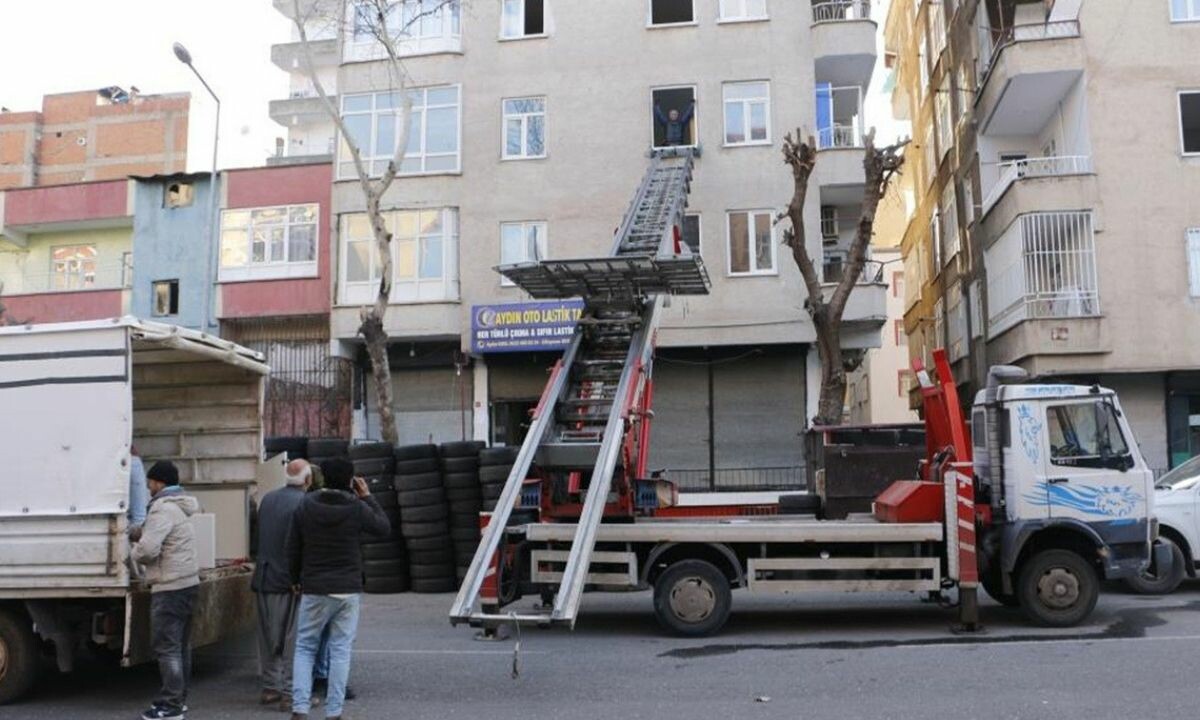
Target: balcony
(289,57)
(1025,74)
(866,308)
(304,107)
(112,275)
(1037,185)
(843,41)
(840,126)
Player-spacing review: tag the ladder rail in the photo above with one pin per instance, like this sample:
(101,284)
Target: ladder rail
(570,590)
(468,593)
(631,213)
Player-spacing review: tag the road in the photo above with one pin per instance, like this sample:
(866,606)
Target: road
(818,657)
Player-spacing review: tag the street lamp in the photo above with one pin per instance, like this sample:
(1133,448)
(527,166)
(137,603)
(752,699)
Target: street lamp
(185,57)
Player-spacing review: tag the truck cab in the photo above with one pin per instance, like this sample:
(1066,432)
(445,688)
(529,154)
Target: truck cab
(1070,496)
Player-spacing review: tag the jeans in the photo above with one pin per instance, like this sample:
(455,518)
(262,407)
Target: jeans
(340,616)
(276,640)
(171,634)
(321,669)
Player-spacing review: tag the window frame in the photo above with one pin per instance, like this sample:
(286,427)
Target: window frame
(545,33)
(754,270)
(543,244)
(1115,461)
(1192,248)
(365,50)
(699,251)
(524,118)
(269,270)
(370,160)
(449,283)
(695,121)
(722,18)
(1191,15)
(746,105)
(172,293)
(651,25)
(1179,112)
(80,274)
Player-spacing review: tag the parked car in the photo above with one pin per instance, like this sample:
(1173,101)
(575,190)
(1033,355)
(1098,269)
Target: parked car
(1176,502)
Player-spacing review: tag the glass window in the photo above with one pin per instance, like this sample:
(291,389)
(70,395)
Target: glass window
(73,267)
(1185,10)
(674,116)
(743,9)
(525,128)
(521,242)
(1085,435)
(1189,121)
(269,236)
(413,26)
(1193,264)
(165,296)
(424,249)
(522,18)
(373,124)
(949,209)
(670,12)
(747,109)
(691,232)
(751,243)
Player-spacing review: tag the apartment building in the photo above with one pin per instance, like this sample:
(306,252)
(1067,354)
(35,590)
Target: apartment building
(310,135)
(1055,227)
(532,124)
(90,135)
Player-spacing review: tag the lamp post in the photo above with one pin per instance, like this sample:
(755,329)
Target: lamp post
(185,57)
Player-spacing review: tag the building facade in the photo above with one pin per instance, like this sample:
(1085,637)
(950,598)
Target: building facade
(94,135)
(532,123)
(1039,239)
(311,136)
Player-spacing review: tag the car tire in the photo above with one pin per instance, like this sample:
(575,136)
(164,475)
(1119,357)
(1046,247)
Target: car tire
(384,568)
(20,647)
(464,495)
(419,466)
(461,465)
(430,572)
(498,456)
(463,534)
(421,498)
(692,598)
(370,451)
(431,542)
(327,447)
(442,556)
(495,474)
(418,530)
(382,551)
(461,449)
(373,466)
(1057,588)
(386,585)
(423,481)
(415,452)
(424,514)
(1150,583)
(386,499)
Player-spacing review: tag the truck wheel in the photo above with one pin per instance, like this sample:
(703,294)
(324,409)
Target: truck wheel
(1058,588)
(1149,582)
(18,656)
(692,598)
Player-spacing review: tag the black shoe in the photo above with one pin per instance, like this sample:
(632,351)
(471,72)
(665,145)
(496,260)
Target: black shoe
(320,686)
(350,694)
(161,712)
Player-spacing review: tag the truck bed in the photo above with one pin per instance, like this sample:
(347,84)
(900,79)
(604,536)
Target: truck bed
(759,529)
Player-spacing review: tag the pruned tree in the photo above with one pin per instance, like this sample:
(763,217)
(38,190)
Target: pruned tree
(880,165)
(386,22)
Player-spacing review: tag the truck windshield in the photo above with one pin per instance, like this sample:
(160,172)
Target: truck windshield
(1181,478)
(1085,435)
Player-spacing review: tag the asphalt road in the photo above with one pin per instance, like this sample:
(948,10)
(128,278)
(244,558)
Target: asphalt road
(817,657)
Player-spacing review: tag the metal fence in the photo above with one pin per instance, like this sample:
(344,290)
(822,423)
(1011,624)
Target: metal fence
(841,10)
(739,479)
(1039,167)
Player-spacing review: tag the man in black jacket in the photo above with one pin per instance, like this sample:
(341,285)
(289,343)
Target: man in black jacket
(325,563)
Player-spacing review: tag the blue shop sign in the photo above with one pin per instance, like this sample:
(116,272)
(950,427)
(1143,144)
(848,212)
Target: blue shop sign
(524,327)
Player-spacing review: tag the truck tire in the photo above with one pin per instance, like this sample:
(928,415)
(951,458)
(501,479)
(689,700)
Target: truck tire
(18,656)
(1058,588)
(692,598)
(1149,582)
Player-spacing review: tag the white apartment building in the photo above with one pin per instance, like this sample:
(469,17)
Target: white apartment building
(532,125)
(311,135)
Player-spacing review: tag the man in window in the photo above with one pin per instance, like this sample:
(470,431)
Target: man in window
(676,126)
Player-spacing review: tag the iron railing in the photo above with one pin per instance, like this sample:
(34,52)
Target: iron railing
(841,10)
(112,275)
(840,136)
(739,479)
(834,270)
(1057,166)
(1032,32)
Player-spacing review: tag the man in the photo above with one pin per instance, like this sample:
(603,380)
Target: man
(325,561)
(277,604)
(166,545)
(675,127)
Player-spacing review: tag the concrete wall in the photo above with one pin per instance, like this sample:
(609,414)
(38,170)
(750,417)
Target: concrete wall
(1144,402)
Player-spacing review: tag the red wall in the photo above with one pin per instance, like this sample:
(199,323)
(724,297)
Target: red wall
(261,187)
(63,306)
(67,203)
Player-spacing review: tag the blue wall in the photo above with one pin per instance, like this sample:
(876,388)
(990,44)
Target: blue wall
(171,244)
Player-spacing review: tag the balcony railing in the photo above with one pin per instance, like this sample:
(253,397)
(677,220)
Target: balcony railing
(1052,30)
(834,270)
(841,10)
(1041,167)
(1044,266)
(101,276)
(840,137)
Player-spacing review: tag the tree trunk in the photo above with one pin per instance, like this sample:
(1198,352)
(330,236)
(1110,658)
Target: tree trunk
(831,404)
(376,340)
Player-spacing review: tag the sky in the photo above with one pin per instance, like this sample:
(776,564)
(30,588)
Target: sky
(54,46)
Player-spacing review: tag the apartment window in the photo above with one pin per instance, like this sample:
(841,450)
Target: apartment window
(691,232)
(269,242)
(1189,121)
(904,380)
(937,32)
(950,241)
(522,18)
(424,256)
(751,243)
(674,116)
(127,270)
(914,274)
(165,296)
(671,12)
(1193,251)
(898,284)
(521,242)
(931,157)
(968,193)
(743,9)
(829,222)
(747,113)
(975,300)
(1185,10)
(945,128)
(901,336)
(935,240)
(923,60)
(178,194)
(373,122)
(525,128)
(73,267)
(415,27)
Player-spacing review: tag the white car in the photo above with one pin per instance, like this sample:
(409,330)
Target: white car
(1177,505)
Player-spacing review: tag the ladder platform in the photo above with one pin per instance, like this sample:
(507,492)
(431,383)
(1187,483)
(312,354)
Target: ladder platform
(567,455)
(618,277)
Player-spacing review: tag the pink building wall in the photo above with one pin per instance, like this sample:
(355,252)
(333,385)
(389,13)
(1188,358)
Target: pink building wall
(82,202)
(64,306)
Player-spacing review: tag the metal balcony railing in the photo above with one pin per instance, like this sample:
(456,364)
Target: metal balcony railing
(840,137)
(1001,39)
(115,275)
(841,10)
(1057,166)
(834,269)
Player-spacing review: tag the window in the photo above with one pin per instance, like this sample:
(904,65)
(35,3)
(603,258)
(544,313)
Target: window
(73,267)
(424,257)
(373,121)
(416,27)
(269,242)
(945,129)
(1193,251)
(674,116)
(747,113)
(691,232)
(937,32)
(975,300)
(1189,122)
(935,240)
(904,380)
(931,156)
(751,243)
(1086,435)
(898,329)
(829,222)
(671,12)
(525,128)
(165,296)
(521,242)
(743,9)
(898,283)
(127,270)
(1185,10)
(950,242)
(522,18)
(968,193)
(178,194)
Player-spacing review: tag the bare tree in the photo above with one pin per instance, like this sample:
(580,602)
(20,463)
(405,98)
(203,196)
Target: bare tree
(879,166)
(387,23)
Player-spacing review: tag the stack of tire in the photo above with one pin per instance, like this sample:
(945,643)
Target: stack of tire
(460,476)
(295,447)
(385,561)
(494,466)
(322,449)
(424,518)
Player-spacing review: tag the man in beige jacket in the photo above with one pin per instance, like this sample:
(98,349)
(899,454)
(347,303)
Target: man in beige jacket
(166,545)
